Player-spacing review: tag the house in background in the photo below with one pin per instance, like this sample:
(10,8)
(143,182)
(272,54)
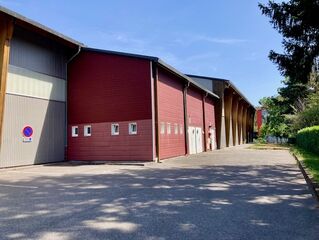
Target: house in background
(261,117)
(234,113)
(132,107)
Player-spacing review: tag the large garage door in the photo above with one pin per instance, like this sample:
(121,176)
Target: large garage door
(35,99)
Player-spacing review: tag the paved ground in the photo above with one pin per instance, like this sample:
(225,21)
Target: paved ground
(229,194)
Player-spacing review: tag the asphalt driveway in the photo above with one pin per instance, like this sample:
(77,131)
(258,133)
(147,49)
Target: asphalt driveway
(234,193)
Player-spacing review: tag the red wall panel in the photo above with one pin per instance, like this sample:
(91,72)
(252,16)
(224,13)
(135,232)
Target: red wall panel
(194,108)
(209,117)
(209,112)
(104,87)
(171,110)
(259,119)
(101,145)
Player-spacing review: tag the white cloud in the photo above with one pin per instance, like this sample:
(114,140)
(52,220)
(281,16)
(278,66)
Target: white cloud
(220,40)
(186,62)
(194,38)
(121,42)
(194,64)
(251,57)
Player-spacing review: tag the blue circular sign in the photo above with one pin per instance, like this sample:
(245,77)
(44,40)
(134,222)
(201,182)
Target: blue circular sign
(27,131)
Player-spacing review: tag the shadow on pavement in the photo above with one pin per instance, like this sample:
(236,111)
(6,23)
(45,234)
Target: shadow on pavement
(215,202)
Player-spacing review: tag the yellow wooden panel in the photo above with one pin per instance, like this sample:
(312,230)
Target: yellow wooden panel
(24,82)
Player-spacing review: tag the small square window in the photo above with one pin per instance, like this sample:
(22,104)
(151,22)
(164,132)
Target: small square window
(87,131)
(115,129)
(132,128)
(181,129)
(176,128)
(162,128)
(168,128)
(75,131)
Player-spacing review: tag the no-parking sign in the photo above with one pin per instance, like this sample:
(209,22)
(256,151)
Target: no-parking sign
(27,133)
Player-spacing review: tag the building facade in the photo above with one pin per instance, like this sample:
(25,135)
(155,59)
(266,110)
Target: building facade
(62,101)
(234,113)
(131,107)
(33,78)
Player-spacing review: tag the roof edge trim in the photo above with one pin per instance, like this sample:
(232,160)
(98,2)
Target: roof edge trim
(232,85)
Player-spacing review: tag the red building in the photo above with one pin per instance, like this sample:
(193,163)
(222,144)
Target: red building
(259,119)
(132,107)
(261,115)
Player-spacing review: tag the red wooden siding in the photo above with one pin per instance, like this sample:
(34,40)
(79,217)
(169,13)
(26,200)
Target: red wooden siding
(195,110)
(195,107)
(101,145)
(209,116)
(105,88)
(171,110)
(259,119)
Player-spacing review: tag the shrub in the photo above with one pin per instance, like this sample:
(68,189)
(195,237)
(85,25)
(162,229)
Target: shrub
(308,138)
(309,117)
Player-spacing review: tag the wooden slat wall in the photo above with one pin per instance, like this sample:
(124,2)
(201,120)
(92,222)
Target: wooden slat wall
(209,117)
(6,31)
(105,89)
(171,110)
(195,110)
(102,146)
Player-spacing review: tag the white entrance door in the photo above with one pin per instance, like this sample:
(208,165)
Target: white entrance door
(213,138)
(199,140)
(192,140)
(195,140)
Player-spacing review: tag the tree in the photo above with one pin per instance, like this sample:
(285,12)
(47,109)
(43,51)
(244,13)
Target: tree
(297,105)
(310,116)
(275,124)
(296,94)
(298,22)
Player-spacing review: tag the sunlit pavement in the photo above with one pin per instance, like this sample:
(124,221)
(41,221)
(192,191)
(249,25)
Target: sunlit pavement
(234,193)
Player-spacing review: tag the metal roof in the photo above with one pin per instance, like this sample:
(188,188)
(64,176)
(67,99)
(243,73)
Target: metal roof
(158,61)
(227,81)
(38,25)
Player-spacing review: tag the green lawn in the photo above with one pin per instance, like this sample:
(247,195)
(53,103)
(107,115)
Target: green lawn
(269,146)
(310,160)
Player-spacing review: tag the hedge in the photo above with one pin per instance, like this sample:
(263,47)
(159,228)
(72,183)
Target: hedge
(308,138)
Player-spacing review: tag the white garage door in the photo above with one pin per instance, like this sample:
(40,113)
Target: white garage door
(195,140)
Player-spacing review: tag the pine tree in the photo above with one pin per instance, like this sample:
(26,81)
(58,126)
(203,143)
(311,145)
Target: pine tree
(298,22)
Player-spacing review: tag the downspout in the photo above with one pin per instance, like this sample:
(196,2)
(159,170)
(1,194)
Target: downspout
(66,99)
(204,122)
(157,124)
(71,58)
(186,117)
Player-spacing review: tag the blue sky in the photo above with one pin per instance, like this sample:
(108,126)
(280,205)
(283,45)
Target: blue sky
(227,39)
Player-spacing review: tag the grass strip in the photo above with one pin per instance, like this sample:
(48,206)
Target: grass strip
(309,159)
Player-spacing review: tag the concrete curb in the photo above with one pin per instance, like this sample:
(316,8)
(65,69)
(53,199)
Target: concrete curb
(312,184)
